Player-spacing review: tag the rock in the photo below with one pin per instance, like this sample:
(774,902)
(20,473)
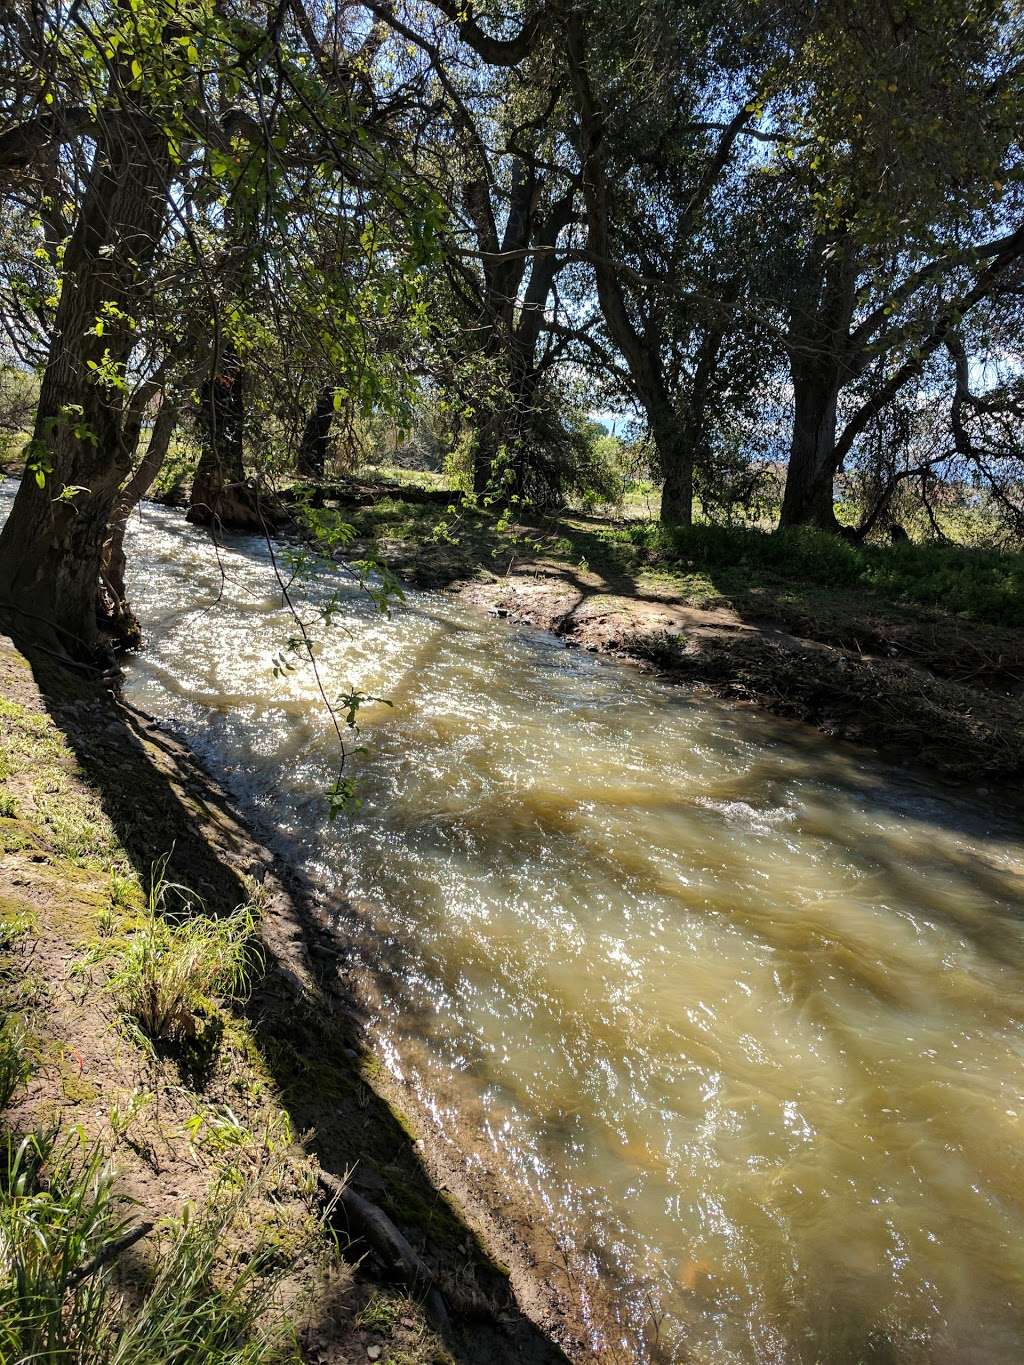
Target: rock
(374,1352)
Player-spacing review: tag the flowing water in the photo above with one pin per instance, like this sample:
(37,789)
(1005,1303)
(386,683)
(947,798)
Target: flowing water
(742,1010)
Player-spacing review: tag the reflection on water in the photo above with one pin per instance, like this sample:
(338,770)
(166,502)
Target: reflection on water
(745,1011)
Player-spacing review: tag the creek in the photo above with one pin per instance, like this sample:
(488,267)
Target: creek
(739,1011)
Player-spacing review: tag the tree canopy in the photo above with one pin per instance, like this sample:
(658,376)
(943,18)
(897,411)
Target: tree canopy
(781,240)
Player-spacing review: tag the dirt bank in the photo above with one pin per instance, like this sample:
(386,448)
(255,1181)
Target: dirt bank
(917,683)
(841,686)
(290,1107)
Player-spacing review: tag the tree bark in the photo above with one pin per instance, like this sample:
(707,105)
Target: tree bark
(51,546)
(821,364)
(119,618)
(221,496)
(809,499)
(312,459)
(674,444)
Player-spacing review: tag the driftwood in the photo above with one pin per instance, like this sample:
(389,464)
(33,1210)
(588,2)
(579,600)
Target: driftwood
(364,1220)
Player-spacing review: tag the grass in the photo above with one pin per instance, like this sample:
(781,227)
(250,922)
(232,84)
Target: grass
(62,1229)
(208,1286)
(985,585)
(173,966)
(980,584)
(203,1123)
(14,1064)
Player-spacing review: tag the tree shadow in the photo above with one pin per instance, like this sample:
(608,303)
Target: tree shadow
(314,1046)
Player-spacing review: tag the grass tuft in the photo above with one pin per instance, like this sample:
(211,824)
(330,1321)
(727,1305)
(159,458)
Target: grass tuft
(62,1229)
(176,964)
(14,1064)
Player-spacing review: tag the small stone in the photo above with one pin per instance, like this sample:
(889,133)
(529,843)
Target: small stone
(374,1352)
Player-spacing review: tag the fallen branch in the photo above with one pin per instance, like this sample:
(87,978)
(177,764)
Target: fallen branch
(400,1258)
(109,1253)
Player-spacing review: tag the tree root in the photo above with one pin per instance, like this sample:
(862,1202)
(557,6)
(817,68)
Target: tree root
(235,507)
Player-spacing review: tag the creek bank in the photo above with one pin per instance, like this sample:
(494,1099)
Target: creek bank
(93,795)
(903,711)
(916,684)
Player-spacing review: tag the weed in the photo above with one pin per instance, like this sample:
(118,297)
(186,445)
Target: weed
(380,1313)
(173,966)
(219,1128)
(14,1066)
(124,890)
(13,927)
(122,1118)
(8,805)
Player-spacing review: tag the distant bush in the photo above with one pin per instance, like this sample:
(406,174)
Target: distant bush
(987,585)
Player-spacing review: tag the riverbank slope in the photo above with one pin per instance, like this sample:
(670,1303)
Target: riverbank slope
(785,627)
(260,1107)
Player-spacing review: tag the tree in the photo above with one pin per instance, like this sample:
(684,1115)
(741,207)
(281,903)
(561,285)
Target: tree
(51,545)
(190,161)
(900,127)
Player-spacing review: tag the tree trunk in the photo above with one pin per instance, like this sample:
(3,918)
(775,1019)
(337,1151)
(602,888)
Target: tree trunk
(820,365)
(312,460)
(674,444)
(51,546)
(119,618)
(221,496)
(809,499)
(486,445)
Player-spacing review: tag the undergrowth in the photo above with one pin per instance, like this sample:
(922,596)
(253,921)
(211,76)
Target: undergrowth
(986,585)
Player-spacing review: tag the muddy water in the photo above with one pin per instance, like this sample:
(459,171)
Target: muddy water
(744,1012)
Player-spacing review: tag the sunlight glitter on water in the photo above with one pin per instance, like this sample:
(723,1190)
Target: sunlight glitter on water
(743,1010)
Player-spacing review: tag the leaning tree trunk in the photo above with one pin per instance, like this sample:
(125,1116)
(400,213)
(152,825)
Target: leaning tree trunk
(120,620)
(316,439)
(809,499)
(51,546)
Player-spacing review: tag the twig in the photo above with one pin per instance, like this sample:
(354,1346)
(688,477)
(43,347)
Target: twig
(109,1252)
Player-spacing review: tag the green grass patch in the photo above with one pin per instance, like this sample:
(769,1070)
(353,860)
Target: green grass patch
(985,585)
(62,1229)
(172,968)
